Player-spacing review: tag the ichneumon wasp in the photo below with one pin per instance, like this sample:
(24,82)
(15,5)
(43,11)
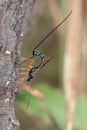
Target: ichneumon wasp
(35,53)
(32,71)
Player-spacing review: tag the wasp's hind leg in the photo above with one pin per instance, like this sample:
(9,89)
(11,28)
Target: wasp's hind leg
(24,72)
(21,58)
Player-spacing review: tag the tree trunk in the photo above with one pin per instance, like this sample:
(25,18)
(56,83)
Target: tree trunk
(15,16)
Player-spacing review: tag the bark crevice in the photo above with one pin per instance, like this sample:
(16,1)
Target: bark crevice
(15,16)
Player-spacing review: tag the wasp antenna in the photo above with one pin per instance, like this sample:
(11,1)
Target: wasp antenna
(52,31)
(47,36)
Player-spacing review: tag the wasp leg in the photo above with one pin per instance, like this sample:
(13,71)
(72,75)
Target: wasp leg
(24,78)
(21,58)
(23,75)
(26,70)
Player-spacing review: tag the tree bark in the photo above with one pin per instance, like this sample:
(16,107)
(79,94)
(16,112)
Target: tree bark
(15,16)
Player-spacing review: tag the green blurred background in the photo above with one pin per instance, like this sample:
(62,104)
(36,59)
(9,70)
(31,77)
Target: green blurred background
(49,80)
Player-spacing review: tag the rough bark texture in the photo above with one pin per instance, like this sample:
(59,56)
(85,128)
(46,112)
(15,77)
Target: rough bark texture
(15,17)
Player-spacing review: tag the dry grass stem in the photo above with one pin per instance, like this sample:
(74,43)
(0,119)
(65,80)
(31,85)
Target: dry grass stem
(34,92)
(71,63)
